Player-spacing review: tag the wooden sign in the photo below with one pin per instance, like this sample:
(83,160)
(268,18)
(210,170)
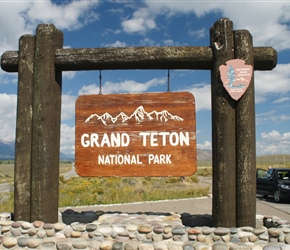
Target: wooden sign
(151,134)
(236,77)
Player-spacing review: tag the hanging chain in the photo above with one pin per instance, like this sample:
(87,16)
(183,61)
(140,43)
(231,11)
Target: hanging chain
(100,82)
(168,81)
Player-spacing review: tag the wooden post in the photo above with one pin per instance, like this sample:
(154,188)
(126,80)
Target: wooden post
(22,172)
(46,126)
(223,129)
(246,138)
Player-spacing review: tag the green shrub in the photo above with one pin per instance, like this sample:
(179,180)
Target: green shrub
(172,180)
(7,202)
(78,191)
(193,179)
(205,172)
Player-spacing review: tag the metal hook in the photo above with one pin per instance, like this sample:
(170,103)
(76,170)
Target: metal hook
(100,82)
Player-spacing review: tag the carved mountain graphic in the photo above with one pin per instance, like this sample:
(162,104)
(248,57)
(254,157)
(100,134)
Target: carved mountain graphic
(139,114)
(242,79)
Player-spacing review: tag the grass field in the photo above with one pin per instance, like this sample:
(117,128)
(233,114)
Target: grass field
(7,170)
(112,190)
(79,191)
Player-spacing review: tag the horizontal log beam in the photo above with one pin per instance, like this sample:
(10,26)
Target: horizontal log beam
(200,58)
(134,58)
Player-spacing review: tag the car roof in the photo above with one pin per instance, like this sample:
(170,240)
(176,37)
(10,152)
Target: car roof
(274,169)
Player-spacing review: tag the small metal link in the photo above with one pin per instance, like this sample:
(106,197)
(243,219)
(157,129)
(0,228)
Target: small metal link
(100,82)
(168,81)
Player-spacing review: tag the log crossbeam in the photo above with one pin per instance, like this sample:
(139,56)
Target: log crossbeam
(183,57)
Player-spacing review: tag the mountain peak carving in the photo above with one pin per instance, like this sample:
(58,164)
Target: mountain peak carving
(139,114)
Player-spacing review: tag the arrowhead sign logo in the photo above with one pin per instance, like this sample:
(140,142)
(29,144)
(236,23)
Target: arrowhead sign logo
(236,77)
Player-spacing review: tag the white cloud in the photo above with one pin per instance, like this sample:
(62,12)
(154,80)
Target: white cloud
(69,74)
(7,116)
(205,146)
(173,7)
(271,117)
(67,107)
(273,135)
(11,14)
(269,29)
(281,100)
(272,82)
(71,16)
(202,94)
(116,44)
(127,86)
(141,22)
(170,42)
(138,25)
(8,78)
(24,16)
(89,89)
(274,142)
(67,140)
(196,34)
(147,42)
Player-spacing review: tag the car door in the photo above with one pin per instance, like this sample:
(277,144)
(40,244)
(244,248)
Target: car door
(264,181)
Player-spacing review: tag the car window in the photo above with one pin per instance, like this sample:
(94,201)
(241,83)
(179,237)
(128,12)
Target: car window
(283,174)
(261,173)
(269,173)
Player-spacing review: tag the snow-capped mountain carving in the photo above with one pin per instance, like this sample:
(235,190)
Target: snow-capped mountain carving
(139,114)
(242,79)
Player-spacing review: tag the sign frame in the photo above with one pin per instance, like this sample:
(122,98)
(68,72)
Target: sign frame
(148,134)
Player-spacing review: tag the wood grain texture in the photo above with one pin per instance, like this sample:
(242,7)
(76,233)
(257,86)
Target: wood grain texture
(223,129)
(46,111)
(246,139)
(177,159)
(23,142)
(182,57)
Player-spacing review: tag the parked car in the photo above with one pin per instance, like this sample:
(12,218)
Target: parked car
(274,182)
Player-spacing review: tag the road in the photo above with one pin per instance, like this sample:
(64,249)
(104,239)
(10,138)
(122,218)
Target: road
(69,174)
(282,206)
(6,187)
(201,208)
(263,204)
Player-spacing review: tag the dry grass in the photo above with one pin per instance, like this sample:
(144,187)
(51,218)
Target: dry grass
(7,175)
(90,191)
(7,170)
(6,202)
(79,191)
(111,190)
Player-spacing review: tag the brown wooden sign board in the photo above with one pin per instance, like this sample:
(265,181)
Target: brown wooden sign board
(150,134)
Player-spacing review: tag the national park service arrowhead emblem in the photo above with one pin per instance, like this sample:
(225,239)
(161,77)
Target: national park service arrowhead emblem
(236,77)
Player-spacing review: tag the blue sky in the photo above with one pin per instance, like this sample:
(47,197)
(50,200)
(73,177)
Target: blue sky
(117,23)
